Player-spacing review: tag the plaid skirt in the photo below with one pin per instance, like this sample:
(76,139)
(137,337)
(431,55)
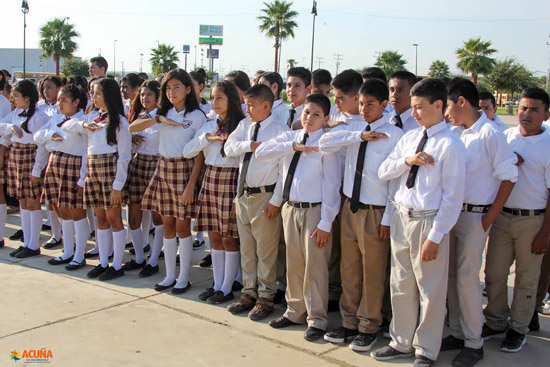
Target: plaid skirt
(3,170)
(20,165)
(140,171)
(99,181)
(218,190)
(163,195)
(60,182)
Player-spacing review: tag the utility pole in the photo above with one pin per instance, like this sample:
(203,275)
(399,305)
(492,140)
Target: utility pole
(320,61)
(338,58)
(314,13)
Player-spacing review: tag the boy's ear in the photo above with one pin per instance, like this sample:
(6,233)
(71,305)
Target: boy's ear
(356,98)
(308,89)
(327,119)
(384,104)
(266,105)
(546,115)
(461,101)
(439,105)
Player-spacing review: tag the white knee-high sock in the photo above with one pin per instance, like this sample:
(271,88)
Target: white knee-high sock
(232,262)
(56,225)
(218,268)
(137,241)
(119,241)
(185,249)
(157,246)
(36,226)
(25,225)
(170,253)
(110,242)
(82,231)
(68,238)
(199,236)
(145,226)
(102,240)
(3,216)
(128,238)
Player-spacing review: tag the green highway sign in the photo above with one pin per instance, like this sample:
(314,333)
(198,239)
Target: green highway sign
(211,41)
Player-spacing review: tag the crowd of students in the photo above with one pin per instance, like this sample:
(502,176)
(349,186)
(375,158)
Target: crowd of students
(382,206)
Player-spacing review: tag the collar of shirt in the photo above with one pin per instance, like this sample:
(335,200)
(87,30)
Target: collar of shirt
(264,123)
(145,114)
(378,123)
(436,128)
(80,113)
(277,103)
(180,113)
(404,116)
(533,139)
(316,135)
(476,127)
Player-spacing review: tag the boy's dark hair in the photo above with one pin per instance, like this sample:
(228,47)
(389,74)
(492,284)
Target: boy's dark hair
(79,81)
(54,79)
(537,93)
(302,73)
(406,76)
(375,88)
(198,77)
(320,100)
(261,92)
(136,107)
(100,62)
(27,89)
(273,77)
(240,79)
(433,89)
(374,73)
(461,87)
(143,76)
(132,79)
(234,110)
(191,103)
(115,108)
(74,92)
(321,76)
(348,81)
(483,96)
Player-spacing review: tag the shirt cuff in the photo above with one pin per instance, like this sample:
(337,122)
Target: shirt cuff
(435,236)
(36,173)
(357,136)
(80,183)
(324,225)
(276,201)
(118,186)
(386,218)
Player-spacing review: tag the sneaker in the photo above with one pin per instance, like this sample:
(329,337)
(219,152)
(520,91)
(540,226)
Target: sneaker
(421,361)
(281,322)
(218,297)
(468,357)
(386,353)
(111,273)
(279,296)
(451,343)
(145,249)
(198,244)
(513,342)
(261,310)
(95,272)
(363,342)
(73,265)
(488,333)
(148,270)
(16,251)
(534,324)
(27,252)
(340,335)
(16,235)
(244,303)
(133,265)
(51,243)
(312,334)
(206,262)
(208,292)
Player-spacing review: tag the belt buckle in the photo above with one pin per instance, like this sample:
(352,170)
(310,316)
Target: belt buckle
(477,209)
(410,212)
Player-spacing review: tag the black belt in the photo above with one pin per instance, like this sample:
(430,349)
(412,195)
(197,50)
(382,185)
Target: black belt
(259,190)
(475,208)
(301,205)
(524,212)
(368,206)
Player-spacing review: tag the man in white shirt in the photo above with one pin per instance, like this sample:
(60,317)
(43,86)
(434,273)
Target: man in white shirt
(490,161)
(400,86)
(430,168)
(98,66)
(488,104)
(522,230)
(279,110)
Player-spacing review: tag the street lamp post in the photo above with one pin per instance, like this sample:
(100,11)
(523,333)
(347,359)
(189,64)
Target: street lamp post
(416,58)
(314,13)
(140,63)
(25,10)
(114,59)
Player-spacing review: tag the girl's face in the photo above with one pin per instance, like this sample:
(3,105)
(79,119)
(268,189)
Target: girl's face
(177,92)
(219,102)
(50,91)
(148,99)
(66,105)
(127,91)
(19,101)
(98,98)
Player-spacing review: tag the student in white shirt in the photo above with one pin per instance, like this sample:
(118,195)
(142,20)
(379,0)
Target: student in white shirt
(298,86)
(345,88)
(400,86)
(109,152)
(366,216)
(129,88)
(280,111)
(49,89)
(430,168)
(488,104)
(171,191)
(490,161)
(522,230)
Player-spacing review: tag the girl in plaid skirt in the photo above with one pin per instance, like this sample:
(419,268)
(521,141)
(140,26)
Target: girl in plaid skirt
(109,151)
(65,174)
(215,212)
(171,192)
(25,164)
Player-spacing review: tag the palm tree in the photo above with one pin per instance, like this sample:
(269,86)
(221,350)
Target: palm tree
(56,39)
(163,59)
(278,22)
(390,62)
(474,58)
(439,69)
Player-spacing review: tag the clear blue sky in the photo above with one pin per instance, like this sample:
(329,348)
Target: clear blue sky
(357,29)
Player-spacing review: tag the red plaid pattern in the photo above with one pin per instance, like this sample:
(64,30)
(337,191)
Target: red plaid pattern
(60,182)
(3,170)
(218,190)
(163,195)
(99,181)
(20,165)
(140,171)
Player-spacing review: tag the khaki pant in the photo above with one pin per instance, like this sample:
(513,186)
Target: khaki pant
(307,272)
(416,284)
(362,268)
(464,293)
(544,281)
(510,239)
(259,238)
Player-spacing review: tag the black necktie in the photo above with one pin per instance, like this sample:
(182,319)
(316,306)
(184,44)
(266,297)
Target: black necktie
(291,118)
(414,169)
(246,162)
(399,122)
(292,169)
(63,122)
(358,175)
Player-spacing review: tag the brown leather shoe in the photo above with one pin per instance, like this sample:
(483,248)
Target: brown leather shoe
(244,303)
(262,309)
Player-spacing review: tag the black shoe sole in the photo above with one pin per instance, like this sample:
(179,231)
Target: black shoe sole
(181,290)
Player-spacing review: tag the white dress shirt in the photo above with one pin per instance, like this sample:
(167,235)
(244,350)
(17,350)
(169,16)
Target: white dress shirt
(531,190)
(211,149)
(174,138)
(259,173)
(280,111)
(438,187)
(297,115)
(5,106)
(48,108)
(97,144)
(149,146)
(409,122)
(317,176)
(490,160)
(374,191)
(500,124)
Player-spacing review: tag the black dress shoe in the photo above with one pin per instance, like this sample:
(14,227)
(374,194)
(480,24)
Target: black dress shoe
(46,227)
(451,342)
(313,334)
(160,287)
(145,249)
(16,235)
(197,244)
(148,270)
(206,261)
(97,271)
(2,244)
(16,251)
(91,255)
(59,261)
(52,242)
(279,296)
(73,265)
(111,273)
(181,290)
(281,322)
(27,252)
(218,298)
(236,286)
(133,265)
(208,292)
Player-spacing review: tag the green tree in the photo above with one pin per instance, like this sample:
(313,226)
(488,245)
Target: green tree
(473,57)
(278,22)
(163,59)
(291,63)
(74,66)
(390,62)
(439,69)
(57,40)
(509,76)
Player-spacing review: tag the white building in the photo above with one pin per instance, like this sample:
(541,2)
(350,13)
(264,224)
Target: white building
(11,59)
